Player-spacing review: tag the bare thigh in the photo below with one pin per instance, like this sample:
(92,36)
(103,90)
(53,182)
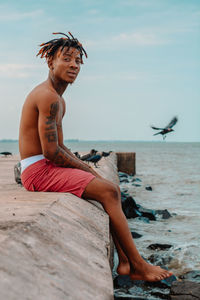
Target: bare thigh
(99,189)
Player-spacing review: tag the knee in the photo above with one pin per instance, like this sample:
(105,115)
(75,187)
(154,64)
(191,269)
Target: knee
(111,193)
(118,189)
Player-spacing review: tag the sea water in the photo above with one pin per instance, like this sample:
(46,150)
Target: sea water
(173,172)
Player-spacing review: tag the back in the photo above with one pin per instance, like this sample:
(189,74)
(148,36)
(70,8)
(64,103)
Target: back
(29,140)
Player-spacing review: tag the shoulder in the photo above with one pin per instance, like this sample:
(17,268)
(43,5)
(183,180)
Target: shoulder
(44,98)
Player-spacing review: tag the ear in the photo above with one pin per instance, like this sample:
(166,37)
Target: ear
(50,62)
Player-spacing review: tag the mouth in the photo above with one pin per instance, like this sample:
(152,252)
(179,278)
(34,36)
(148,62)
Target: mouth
(73,74)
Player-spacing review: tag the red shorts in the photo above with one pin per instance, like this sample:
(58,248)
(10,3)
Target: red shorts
(45,176)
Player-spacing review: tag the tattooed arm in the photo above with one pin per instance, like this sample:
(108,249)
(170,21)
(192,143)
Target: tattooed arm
(48,114)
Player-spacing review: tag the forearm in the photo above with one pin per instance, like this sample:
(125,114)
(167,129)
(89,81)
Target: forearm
(65,158)
(68,151)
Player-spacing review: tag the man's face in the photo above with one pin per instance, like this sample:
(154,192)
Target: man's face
(66,64)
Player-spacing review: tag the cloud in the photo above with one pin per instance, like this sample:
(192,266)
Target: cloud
(17,70)
(139,39)
(16,15)
(127,39)
(115,76)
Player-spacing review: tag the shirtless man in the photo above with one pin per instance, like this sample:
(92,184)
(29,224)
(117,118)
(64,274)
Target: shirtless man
(47,165)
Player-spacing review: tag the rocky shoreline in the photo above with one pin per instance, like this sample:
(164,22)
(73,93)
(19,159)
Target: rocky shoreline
(184,287)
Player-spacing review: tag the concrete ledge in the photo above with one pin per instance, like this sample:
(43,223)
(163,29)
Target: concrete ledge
(53,245)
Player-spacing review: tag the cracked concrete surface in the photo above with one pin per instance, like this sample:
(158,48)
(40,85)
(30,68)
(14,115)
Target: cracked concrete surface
(53,245)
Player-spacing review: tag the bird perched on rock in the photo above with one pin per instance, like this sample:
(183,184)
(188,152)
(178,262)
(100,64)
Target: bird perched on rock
(77,154)
(94,159)
(6,153)
(166,129)
(105,154)
(86,156)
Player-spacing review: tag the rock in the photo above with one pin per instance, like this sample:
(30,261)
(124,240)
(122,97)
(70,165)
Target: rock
(123,180)
(165,283)
(124,194)
(191,276)
(148,213)
(123,281)
(122,174)
(145,220)
(160,260)
(164,213)
(136,179)
(136,184)
(116,297)
(124,191)
(136,235)
(148,188)
(17,172)
(129,206)
(185,290)
(161,294)
(159,246)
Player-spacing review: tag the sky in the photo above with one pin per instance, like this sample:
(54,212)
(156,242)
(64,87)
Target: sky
(143,66)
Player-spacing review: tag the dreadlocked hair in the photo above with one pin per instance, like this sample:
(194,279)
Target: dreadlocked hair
(48,49)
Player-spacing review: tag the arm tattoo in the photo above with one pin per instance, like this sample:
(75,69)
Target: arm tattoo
(53,111)
(51,123)
(61,158)
(51,136)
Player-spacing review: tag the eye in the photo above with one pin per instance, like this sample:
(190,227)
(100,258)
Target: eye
(78,61)
(67,59)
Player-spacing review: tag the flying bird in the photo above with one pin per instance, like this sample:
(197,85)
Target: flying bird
(166,129)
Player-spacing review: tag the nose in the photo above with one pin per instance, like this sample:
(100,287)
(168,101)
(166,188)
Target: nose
(73,64)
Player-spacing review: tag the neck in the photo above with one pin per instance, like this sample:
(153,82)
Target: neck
(58,85)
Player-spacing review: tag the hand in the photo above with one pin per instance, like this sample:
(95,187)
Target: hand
(95,173)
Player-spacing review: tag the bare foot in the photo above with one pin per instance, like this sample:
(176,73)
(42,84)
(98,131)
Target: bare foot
(123,268)
(148,272)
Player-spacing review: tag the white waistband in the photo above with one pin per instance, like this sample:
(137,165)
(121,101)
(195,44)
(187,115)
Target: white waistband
(30,160)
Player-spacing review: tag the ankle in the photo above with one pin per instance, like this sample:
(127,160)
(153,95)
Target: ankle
(139,263)
(123,260)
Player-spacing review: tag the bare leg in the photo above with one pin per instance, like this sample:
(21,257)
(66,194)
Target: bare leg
(109,196)
(123,266)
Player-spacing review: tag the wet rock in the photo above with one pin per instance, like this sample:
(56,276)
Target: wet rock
(161,294)
(159,246)
(122,174)
(148,188)
(136,184)
(136,235)
(136,180)
(129,206)
(124,191)
(148,213)
(191,276)
(123,281)
(116,297)
(164,213)
(160,260)
(143,219)
(122,180)
(139,289)
(185,290)
(124,194)
(165,283)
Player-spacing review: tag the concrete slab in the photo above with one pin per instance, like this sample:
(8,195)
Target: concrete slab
(53,245)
